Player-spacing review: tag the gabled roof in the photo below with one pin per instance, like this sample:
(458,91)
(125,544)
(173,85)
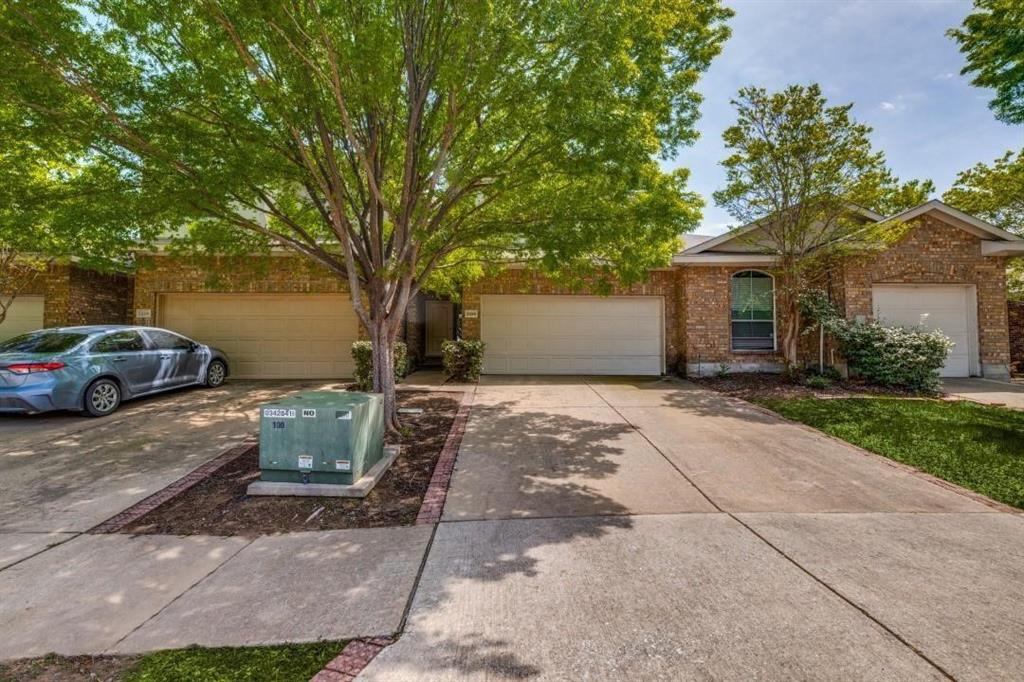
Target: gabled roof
(749,227)
(1003,242)
(962,220)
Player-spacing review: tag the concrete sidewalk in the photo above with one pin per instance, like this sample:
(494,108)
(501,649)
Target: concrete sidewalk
(117,593)
(637,529)
(986,391)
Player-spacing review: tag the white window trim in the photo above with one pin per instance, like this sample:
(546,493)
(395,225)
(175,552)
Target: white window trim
(775,326)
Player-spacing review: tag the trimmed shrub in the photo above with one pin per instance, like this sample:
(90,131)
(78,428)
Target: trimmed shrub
(462,359)
(898,357)
(362,354)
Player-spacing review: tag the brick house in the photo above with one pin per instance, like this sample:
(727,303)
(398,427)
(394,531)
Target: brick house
(68,295)
(281,317)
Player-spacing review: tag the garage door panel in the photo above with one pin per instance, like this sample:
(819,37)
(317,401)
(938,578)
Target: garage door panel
(24,315)
(270,336)
(572,334)
(937,307)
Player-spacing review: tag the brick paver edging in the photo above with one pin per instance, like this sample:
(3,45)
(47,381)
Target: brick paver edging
(437,491)
(133,513)
(356,655)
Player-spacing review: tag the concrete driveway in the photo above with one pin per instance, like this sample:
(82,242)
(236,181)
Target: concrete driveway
(635,529)
(64,473)
(71,592)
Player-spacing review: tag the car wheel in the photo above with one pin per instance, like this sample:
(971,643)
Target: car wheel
(216,373)
(102,397)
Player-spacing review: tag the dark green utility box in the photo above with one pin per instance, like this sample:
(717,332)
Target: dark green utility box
(321,437)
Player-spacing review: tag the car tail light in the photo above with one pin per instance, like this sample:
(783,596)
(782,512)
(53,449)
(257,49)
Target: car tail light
(33,367)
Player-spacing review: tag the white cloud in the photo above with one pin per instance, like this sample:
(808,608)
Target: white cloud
(888,106)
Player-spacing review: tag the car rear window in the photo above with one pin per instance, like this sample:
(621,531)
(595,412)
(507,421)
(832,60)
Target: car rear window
(42,342)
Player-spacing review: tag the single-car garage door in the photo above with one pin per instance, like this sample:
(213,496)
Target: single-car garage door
(24,315)
(948,308)
(536,334)
(270,336)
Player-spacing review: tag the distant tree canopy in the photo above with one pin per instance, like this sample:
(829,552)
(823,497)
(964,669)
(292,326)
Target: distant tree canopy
(992,39)
(799,169)
(996,193)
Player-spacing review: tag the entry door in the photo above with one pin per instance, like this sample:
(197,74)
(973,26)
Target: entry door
(947,308)
(440,318)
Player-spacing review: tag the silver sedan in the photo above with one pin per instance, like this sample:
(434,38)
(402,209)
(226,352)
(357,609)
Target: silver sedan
(94,369)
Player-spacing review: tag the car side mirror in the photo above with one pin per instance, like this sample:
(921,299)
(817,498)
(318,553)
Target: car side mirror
(193,347)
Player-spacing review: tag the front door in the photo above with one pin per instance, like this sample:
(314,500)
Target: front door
(440,317)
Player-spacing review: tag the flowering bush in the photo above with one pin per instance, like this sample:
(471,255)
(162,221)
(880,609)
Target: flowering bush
(362,353)
(892,356)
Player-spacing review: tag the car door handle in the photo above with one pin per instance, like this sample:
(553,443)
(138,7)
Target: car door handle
(165,357)
(120,359)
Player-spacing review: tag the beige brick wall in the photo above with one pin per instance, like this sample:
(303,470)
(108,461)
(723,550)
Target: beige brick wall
(77,296)
(239,275)
(663,283)
(936,252)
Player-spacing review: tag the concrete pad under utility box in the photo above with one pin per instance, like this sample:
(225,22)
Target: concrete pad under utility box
(952,585)
(673,597)
(299,587)
(85,595)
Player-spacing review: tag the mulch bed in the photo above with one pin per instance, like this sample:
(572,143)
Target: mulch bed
(219,505)
(54,668)
(758,386)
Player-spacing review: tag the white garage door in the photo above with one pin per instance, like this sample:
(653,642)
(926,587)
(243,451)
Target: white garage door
(272,336)
(24,315)
(949,309)
(572,334)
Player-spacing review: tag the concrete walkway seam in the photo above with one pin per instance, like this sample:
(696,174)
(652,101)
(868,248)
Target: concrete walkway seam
(179,596)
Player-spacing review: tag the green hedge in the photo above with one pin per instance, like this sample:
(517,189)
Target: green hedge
(462,359)
(362,353)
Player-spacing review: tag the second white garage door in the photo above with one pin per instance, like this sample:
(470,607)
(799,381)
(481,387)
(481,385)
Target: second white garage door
(572,334)
(24,315)
(272,336)
(948,308)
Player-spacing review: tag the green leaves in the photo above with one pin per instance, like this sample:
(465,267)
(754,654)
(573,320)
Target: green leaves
(460,129)
(992,39)
(995,193)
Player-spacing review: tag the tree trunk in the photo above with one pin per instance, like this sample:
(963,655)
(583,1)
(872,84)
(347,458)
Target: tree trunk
(791,333)
(384,371)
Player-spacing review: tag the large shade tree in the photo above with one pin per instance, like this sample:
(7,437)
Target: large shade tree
(995,192)
(797,173)
(395,142)
(992,39)
(58,202)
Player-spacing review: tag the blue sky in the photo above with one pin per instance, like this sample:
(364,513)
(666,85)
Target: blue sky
(891,58)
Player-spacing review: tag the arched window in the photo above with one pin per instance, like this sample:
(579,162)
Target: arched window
(753,311)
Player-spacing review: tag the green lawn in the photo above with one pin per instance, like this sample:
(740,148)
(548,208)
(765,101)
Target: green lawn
(285,663)
(980,447)
(281,663)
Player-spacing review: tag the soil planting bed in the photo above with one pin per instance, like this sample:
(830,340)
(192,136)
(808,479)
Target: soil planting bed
(757,386)
(219,505)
